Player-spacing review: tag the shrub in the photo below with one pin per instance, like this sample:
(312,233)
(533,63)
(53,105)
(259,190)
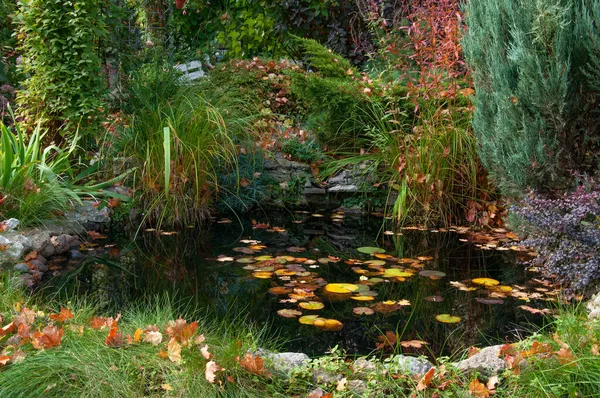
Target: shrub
(64,87)
(535,99)
(565,232)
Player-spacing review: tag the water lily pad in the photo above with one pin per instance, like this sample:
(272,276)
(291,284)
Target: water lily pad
(370,250)
(434,299)
(424,258)
(485,281)
(244,250)
(279,290)
(295,249)
(263,258)
(288,313)
(285,272)
(224,259)
(312,305)
(331,325)
(308,319)
(490,301)
(363,298)
(245,260)
(376,263)
(342,288)
(363,311)
(395,272)
(503,288)
(262,274)
(447,318)
(432,274)
(362,288)
(286,259)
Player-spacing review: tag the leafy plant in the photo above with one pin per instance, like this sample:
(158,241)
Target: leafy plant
(565,231)
(64,87)
(307,151)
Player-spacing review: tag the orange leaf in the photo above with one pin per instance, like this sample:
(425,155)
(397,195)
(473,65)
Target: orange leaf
(4,359)
(565,356)
(426,380)
(478,389)
(114,338)
(98,323)
(137,335)
(253,364)
(95,235)
(7,329)
(413,344)
(472,351)
(65,314)
(50,337)
(181,330)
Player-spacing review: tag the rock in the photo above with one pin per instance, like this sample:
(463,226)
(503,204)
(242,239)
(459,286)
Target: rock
(21,267)
(322,376)
(410,365)
(487,361)
(358,387)
(61,243)
(87,213)
(283,362)
(38,265)
(15,246)
(593,307)
(76,254)
(363,366)
(75,244)
(47,251)
(344,188)
(39,241)
(10,224)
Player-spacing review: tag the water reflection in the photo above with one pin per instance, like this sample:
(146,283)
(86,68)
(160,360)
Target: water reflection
(184,266)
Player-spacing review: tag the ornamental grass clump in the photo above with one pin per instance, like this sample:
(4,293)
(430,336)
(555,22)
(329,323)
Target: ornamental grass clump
(565,232)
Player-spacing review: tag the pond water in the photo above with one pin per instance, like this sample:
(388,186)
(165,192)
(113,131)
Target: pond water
(295,256)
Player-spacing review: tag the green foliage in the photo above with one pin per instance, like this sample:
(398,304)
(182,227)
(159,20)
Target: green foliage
(64,86)
(336,101)
(535,96)
(303,151)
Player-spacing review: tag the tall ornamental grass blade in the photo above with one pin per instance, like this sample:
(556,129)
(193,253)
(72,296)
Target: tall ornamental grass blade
(167,153)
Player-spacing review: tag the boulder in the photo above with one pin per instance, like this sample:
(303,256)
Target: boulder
(15,246)
(409,365)
(487,361)
(593,307)
(282,362)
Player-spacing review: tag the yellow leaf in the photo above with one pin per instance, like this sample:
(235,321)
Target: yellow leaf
(174,351)
(137,335)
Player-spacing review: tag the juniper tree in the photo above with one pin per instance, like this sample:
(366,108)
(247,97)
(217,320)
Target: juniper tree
(535,68)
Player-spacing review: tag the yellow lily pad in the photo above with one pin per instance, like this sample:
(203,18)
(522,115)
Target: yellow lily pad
(287,313)
(308,319)
(363,298)
(262,274)
(486,281)
(331,325)
(395,272)
(312,305)
(342,288)
(447,318)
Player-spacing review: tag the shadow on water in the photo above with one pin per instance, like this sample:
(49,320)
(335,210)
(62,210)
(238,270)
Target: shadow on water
(130,271)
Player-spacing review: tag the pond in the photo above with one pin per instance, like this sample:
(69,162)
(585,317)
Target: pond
(249,269)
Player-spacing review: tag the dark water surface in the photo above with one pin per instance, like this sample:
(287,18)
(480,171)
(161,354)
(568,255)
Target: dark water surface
(184,265)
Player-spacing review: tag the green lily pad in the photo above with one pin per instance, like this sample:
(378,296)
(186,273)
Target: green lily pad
(447,318)
(370,250)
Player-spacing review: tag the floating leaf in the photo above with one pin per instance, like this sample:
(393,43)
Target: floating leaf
(331,325)
(278,290)
(263,258)
(312,305)
(396,273)
(340,288)
(462,286)
(244,250)
(376,263)
(363,311)
(544,311)
(262,274)
(224,259)
(288,313)
(413,344)
(447,318)
(485,281)
(308,319)
(363,298)
(245,260)
(432,274)
(435,299)
(370,250)
(489,301)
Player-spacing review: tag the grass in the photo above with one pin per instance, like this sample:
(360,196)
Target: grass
(83,365)
(182,143)
(430,162)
